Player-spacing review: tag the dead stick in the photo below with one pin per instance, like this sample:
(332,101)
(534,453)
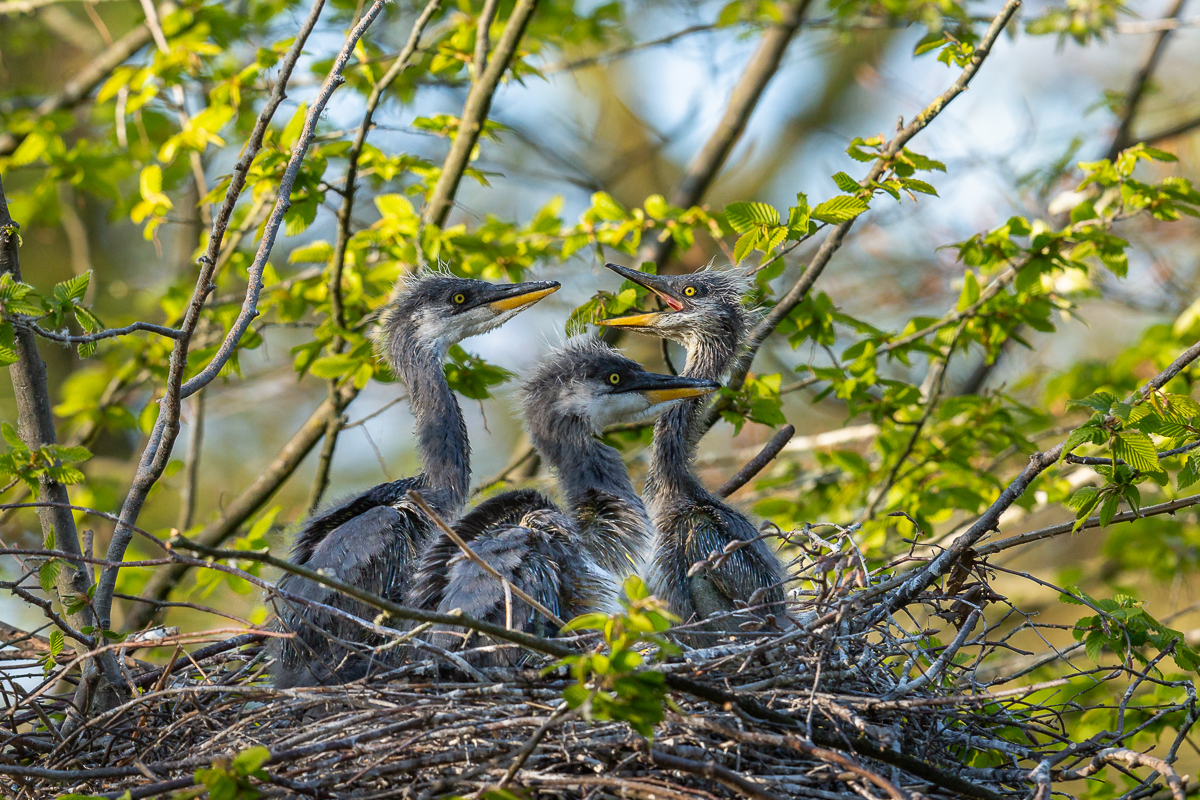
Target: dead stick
(420,503)
(759,462)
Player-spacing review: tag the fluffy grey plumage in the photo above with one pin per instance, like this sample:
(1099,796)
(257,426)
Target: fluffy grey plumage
(373,540)
(570,562)
(706,315)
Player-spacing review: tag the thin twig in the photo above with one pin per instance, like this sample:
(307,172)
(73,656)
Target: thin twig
(756,465)
(419,501)
(833,241)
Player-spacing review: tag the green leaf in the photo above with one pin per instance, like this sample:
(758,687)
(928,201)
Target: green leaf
(10,436)
(745,244)
(744,217)
(1137,450)
(839,209)
(317,252)
(919,186)
(590,622)
(1083,435)
(1100,401)
(56,642)
(970,292)
(1108,508)
(291,132)
(334,366)
(251,760)
(48,575)
(846,183)
(73,289)
(1190,472)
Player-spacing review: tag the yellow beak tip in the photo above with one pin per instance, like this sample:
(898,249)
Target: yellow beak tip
(522,300)
(683,393)
(632,321)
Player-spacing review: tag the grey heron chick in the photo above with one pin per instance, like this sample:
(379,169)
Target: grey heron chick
(373,540)
(705,315)
(568,560)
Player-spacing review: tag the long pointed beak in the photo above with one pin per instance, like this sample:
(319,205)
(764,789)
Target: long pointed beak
(657,396)
(647,320)
(652,282)
(521,295)
(664,388)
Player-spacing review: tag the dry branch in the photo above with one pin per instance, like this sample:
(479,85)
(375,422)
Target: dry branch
(833,240)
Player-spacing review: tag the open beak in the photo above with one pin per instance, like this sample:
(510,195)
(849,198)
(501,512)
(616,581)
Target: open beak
(517,296)
(655,284)
(664,388)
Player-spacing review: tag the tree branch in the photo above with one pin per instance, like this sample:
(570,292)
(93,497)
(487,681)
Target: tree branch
(903,589)
(1124,135)
(35,426)
(191,468)
(166,428)
(88,78)
(759,462)
(1169,507)
(334,425)
(703,169)
(833,241)
(109,333)
(474,115)
(474,558)
(245,505)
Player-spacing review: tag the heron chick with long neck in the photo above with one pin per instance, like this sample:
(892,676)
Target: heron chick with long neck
(569,560)
(705,314)
(373,540)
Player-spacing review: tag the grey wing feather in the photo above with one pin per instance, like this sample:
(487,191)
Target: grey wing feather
(716,589)
(375,551)
(537,556)
(428,586)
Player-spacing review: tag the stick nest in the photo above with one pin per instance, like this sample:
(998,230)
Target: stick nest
(839,706)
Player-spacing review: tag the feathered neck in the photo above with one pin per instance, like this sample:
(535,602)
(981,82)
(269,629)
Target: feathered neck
(441,429)
(675,435)
(607,510)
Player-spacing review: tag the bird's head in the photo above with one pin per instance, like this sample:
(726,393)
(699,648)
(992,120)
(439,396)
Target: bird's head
(435,310)
(590,383)
(701,308)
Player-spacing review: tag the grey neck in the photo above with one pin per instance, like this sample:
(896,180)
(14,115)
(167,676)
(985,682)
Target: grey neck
(675,433)
(595,481)
(441,430)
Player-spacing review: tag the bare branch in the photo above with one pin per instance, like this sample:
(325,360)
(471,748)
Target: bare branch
(903,589)
(162,438)
(474,558)
(191,467)
(109,333)
(482,33)
(759,462)
(833,241)
(345,216)
(705,165)
(534,643)
(1170,133)
(1133,98)
(474,114)
(244,506)
(1169,507)
(91,76)
(35,426)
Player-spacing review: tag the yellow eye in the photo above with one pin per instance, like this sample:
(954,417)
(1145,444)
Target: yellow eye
(614,379)
(689,290)
(460,298)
